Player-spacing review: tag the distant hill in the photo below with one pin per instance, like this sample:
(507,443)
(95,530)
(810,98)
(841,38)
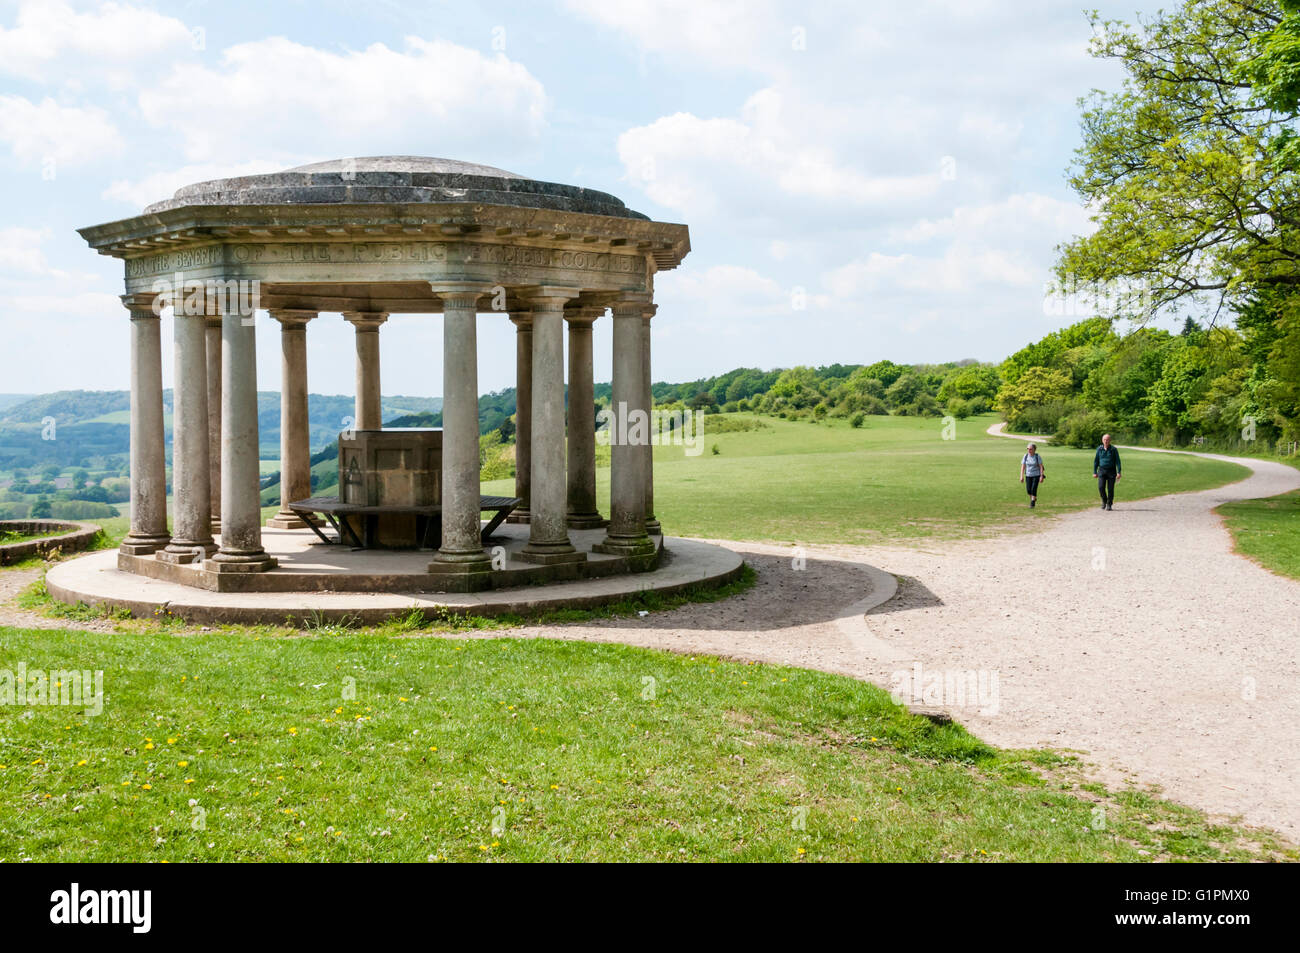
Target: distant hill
(8,400)
(92,428)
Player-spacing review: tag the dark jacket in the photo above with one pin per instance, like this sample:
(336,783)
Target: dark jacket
(1106,459)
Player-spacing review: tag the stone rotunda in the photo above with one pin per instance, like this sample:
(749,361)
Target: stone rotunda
(367,238)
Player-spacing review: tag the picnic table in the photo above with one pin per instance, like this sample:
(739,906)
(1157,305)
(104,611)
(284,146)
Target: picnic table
(428,518)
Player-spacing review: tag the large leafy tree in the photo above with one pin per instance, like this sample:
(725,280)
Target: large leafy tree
(1192,198)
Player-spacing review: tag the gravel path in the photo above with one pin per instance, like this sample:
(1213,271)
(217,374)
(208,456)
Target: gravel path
(1135,635)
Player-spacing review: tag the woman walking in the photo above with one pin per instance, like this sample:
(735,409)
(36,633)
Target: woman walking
(1032,472)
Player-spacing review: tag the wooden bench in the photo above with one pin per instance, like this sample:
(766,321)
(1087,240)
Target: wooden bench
(429,530)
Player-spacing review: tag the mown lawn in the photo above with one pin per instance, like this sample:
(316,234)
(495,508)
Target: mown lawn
(1267,531)
(895,478)
(247,744)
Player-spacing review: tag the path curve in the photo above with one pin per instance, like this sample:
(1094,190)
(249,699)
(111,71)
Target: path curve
(1135,635)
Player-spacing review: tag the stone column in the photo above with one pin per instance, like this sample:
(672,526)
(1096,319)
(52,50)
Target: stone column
(295,437)
(191,491)
(523,322)
(461,560)
(629,429)
(651,524)
(548,536)
(213,348)
(148,532)
(241,507)
(582,513)
(369,414)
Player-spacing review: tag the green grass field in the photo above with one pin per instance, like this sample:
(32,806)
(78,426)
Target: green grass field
(237,745)
(896,478)
(1268,531)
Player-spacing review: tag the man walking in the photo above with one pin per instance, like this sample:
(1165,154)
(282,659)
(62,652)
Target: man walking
(1106,468)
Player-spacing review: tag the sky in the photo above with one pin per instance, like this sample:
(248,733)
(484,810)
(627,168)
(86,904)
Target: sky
(862,180)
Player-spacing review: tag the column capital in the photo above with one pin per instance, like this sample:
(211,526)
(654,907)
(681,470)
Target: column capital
(631,303)
(584,316)
(144,306)
(295,318)
(212,321)
(649,311)
(365,320)
(548,297)
(460,294)
(522,320)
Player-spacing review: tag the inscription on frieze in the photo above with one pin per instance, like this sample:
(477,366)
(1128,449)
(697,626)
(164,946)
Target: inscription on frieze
(527,256)
(177,260)
(287,252)
(506,256)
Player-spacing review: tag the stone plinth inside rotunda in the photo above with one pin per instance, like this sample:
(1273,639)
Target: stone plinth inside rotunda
(400,468)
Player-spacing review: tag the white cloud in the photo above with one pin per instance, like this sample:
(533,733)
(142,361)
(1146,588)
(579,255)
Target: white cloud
(38,134)
(20,251)
(162,185)
(756,164)
(277,96)
(50,40)
(726,33)
(1020,217)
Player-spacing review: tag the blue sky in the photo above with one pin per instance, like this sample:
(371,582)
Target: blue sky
(861,180)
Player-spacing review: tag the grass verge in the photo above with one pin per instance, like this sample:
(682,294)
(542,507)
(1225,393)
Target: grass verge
(1267,531)
(239,747)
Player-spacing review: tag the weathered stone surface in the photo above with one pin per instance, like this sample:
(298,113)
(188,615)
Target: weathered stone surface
(395,179)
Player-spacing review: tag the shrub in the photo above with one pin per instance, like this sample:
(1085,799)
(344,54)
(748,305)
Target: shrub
(1044,417)
(857,420)
(1081,429)
(80,510)
(959,408)
(923,406)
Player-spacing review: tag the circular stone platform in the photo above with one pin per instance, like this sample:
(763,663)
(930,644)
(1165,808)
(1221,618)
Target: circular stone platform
(96,580)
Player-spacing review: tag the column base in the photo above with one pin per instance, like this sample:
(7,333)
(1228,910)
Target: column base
(550,554)
(143,545)
(240,562)
(215,526)
(286,519)
(180,552)
(519,516)
(653,528)
(586,521)
(469,571)
(630,547)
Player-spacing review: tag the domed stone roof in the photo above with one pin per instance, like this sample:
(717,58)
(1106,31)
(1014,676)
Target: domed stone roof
(392,180)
